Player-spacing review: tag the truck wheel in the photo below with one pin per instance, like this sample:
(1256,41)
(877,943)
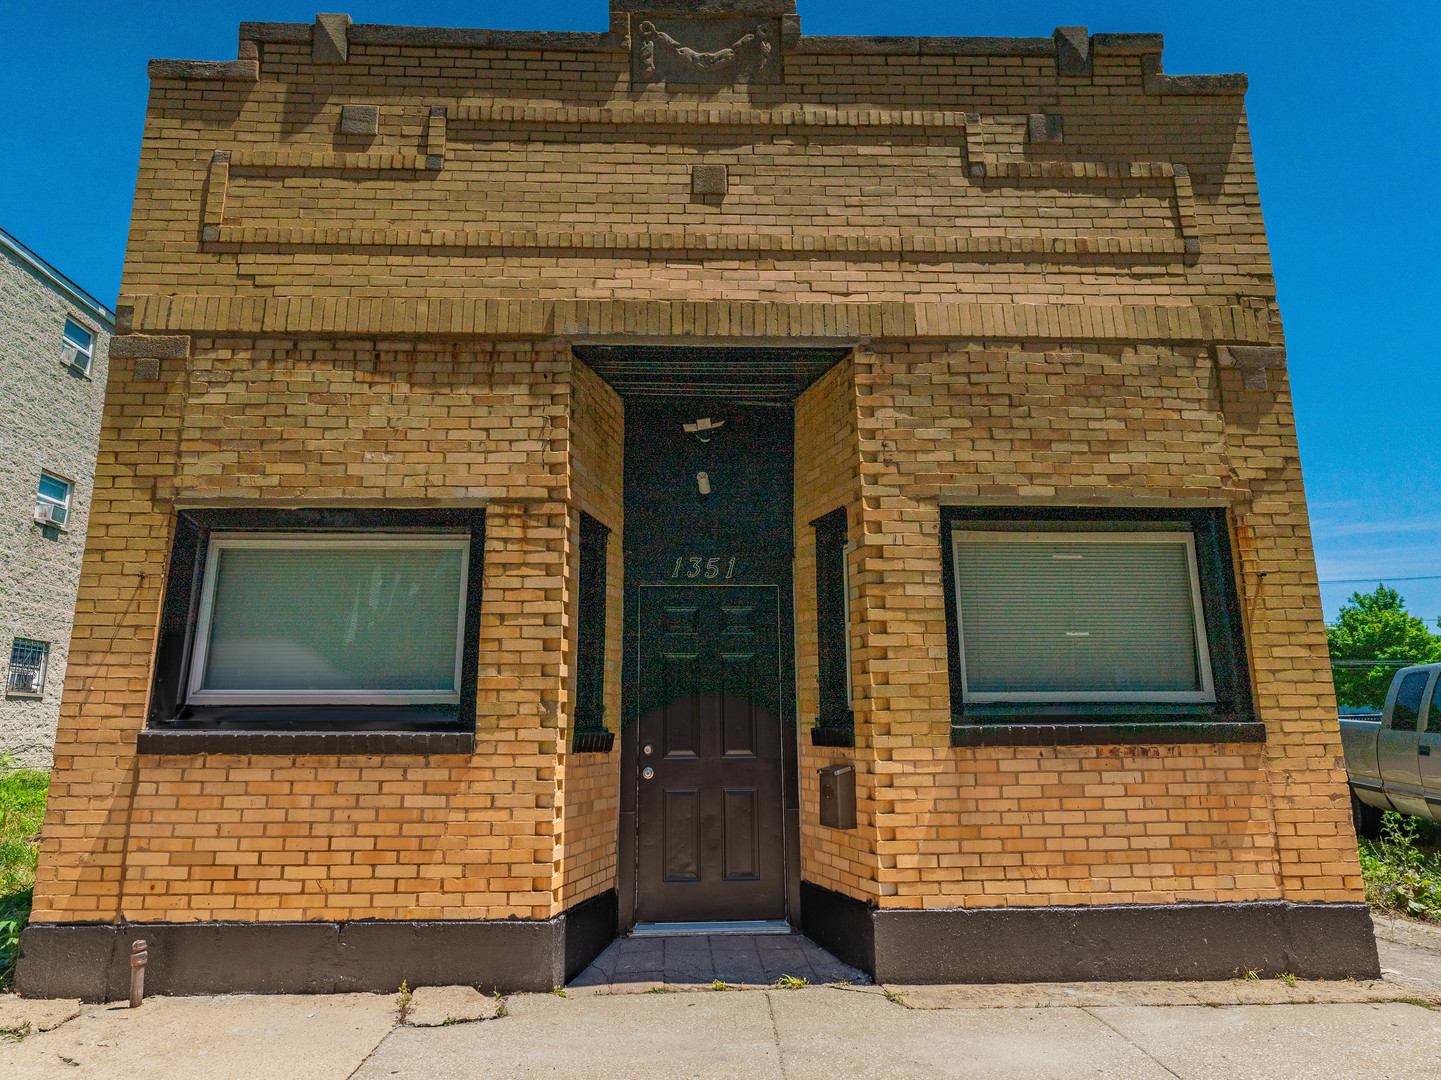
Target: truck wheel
(1367,818)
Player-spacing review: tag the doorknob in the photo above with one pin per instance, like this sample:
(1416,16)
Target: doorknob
(647,773)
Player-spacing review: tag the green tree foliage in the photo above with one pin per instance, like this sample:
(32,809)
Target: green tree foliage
(1376,626)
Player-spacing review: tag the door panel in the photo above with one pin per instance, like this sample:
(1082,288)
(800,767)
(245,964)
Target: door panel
(1397,745)
(1428,753)
(742,835)
(710,816)
(682,834)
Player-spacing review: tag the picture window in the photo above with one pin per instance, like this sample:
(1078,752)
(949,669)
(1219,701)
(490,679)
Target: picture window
(330,619)
(1069,614)
(321,619)
(1095,616)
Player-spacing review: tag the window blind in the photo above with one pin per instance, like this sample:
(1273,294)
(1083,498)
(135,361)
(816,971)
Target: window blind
(1079,617)
(299,616)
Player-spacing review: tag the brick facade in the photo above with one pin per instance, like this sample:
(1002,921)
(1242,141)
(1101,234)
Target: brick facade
(386,320)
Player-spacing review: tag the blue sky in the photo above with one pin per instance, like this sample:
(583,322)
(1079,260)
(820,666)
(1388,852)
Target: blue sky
(1343,107)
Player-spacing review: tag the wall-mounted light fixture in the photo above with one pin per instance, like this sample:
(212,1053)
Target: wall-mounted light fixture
(702,482)
(704,428)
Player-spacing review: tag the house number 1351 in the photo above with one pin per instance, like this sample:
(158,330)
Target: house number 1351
(698,566)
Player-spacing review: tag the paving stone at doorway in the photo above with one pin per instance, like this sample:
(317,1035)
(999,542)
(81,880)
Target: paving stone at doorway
(634,965)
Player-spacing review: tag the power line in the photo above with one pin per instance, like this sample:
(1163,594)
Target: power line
(1373,663)
(1378,580)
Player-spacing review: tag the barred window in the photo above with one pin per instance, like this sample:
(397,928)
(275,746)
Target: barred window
(27,667)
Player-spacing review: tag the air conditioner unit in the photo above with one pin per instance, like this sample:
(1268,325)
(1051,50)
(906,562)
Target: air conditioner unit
(51,514)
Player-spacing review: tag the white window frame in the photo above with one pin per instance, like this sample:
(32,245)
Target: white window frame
(46,500)
(87,351)
(196,693)
(1207,693)
(44,668)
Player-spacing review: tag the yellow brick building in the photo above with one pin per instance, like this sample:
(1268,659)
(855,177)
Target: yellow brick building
(690,473)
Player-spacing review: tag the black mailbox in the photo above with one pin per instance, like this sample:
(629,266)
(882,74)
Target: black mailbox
(838,796)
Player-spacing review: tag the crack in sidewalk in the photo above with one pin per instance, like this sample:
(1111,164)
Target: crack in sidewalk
(1090,1011)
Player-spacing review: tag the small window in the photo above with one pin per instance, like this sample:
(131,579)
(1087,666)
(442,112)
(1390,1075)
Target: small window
(28,660)
(52,500)
(1407,709)
(290,619)
(833,623)
(1096,616)
(590,627)
(78,346)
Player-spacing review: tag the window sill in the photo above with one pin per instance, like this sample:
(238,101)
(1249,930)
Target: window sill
(297,743)
(1108,734)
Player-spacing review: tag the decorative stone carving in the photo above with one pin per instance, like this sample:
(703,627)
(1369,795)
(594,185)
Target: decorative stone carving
(716,52)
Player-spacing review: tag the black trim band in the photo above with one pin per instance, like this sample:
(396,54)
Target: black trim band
(1104,734)
(296,743)
(1098,943)
(91,960)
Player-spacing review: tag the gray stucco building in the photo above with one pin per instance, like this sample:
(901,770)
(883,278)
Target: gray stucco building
(54,356)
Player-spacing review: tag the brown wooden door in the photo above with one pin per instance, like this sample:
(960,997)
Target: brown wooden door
(709,811)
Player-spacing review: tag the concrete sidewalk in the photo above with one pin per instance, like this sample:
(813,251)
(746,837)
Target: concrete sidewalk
(1246,1029)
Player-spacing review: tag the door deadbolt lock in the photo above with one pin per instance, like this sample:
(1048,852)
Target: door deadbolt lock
(647,750)
(648,773)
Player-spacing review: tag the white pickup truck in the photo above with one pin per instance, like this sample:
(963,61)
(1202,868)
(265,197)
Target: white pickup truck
(1395,762)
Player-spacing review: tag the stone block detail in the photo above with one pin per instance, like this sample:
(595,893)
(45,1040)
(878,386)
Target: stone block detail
(708,180)
(1073,50)
(1253,360)
(330,43)
(1045,128)
(235,70)
(164,347)
(359,119)
(147,369)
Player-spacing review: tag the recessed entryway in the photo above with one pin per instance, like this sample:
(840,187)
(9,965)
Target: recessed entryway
(709,800)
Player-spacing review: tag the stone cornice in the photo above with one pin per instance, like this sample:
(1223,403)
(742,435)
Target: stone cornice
(716,320)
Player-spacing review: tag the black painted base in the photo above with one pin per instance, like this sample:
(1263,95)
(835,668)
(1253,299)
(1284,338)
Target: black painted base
(91,961)
(1101,943)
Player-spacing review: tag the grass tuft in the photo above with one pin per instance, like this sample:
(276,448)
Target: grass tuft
(22,808)
(1399,875)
